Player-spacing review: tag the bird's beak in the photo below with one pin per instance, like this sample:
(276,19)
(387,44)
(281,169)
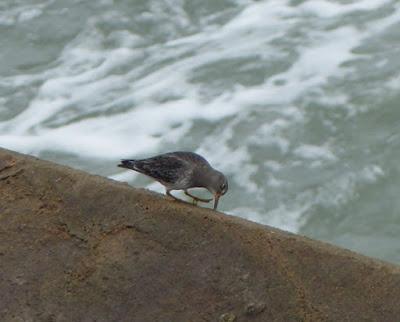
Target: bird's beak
(216,198)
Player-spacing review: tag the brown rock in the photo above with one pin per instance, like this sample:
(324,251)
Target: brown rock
(77,247)
(227,317)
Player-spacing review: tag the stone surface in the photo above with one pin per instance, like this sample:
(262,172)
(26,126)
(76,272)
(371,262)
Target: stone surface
(77,247)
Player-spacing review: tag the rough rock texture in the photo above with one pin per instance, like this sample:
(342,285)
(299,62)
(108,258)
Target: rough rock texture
(77,247)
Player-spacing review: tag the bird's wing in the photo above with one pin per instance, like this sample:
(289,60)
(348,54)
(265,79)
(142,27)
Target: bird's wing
(190,157)
(165,168)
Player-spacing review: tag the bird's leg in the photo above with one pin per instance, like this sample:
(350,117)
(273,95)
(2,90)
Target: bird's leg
(196,198)
(169,194)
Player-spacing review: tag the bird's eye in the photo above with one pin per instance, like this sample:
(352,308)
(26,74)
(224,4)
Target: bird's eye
(223,187)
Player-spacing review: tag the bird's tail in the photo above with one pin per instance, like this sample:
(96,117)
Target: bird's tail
(127,164)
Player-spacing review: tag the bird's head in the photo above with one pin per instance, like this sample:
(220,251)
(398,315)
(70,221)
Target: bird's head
(218,186)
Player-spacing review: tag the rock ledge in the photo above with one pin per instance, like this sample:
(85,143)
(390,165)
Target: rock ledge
(78,247)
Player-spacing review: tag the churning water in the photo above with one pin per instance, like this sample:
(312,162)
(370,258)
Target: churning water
(298,102)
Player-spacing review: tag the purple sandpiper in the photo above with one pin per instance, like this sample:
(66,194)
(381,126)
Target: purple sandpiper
(181,171)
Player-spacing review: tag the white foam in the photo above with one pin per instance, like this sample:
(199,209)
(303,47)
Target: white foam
(328,9)
(273,165)
(6,20)
(287,217)
(16,14)
(372,173)
(313,152)
(260,15)
(29,14)
(274,182)
(394,82)
(272,134)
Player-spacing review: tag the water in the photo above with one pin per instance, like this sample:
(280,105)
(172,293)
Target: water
(298,102)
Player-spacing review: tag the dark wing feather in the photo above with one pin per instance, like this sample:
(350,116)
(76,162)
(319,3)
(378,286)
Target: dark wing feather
(190,157)
(166,168)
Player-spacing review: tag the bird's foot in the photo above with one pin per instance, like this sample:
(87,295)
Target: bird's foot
(173,198)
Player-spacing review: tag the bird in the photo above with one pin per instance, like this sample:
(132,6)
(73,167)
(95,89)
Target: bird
(181,170)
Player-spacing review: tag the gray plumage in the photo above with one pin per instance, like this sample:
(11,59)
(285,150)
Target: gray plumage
(180,171)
